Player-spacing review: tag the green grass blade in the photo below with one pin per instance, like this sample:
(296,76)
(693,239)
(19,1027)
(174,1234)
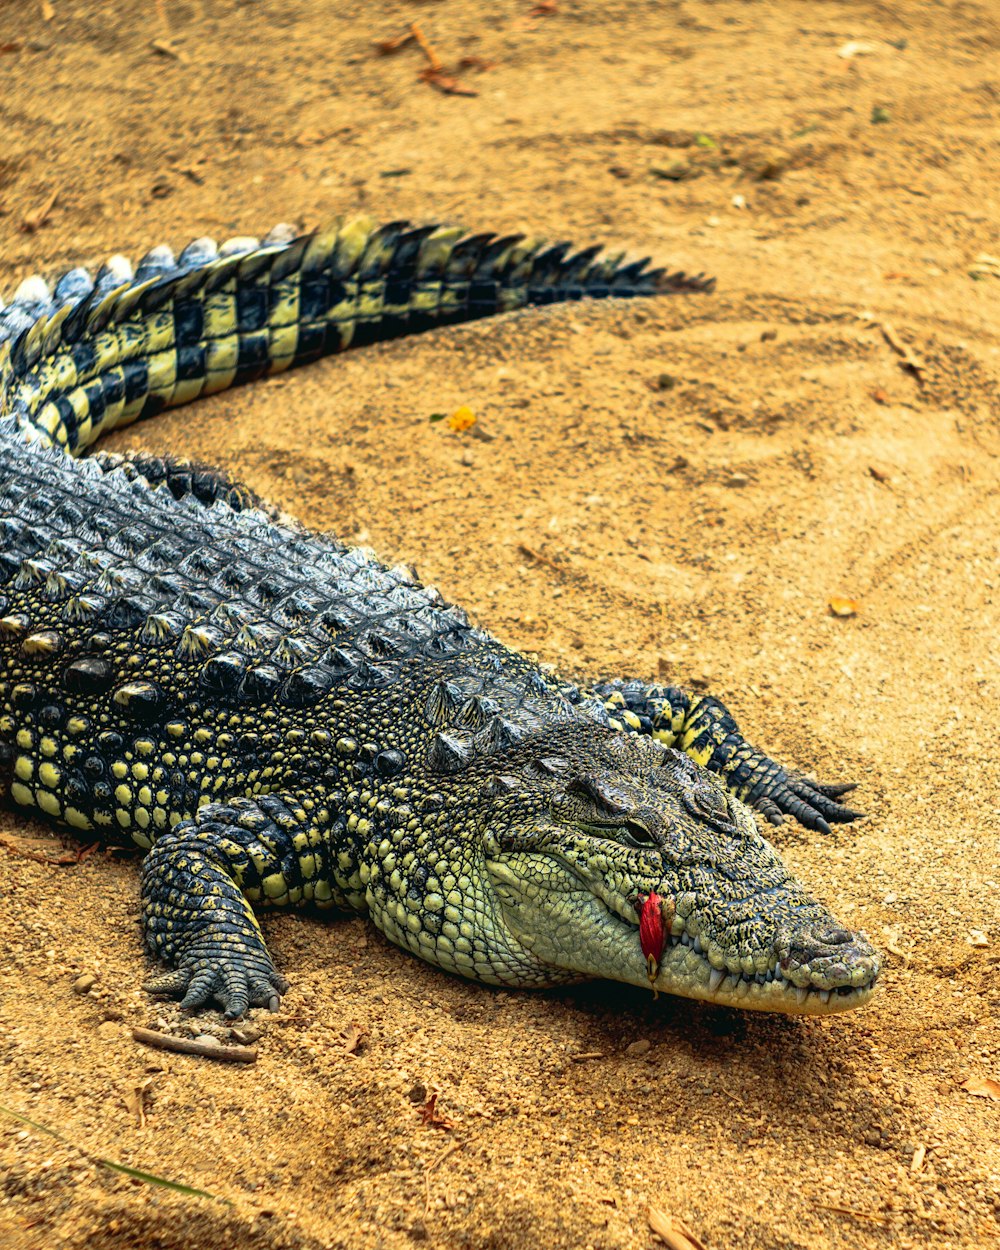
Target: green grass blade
(149,1178)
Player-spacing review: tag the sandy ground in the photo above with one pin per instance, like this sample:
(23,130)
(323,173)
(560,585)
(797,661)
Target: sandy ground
(675,487)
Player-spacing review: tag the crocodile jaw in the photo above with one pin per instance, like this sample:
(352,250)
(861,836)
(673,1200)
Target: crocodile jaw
(686,973)
(566,927)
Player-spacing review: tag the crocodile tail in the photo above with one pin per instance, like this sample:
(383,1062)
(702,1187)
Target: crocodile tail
(93,354)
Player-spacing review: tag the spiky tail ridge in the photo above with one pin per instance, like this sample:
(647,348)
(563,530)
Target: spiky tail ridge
(92,355)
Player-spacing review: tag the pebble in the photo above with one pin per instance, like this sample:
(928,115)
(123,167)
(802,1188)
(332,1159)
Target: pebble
(246,1034)
(640,1047)
(207,1039)
(468,459)
(737,479)
(84,983)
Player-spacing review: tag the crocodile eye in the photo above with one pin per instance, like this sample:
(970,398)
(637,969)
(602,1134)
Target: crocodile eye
(708,802)
(637,834)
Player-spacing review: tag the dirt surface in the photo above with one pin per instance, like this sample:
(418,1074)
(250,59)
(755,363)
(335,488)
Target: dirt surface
(677,487)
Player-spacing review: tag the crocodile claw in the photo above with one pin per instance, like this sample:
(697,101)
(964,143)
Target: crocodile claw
(237,984)
(812,804)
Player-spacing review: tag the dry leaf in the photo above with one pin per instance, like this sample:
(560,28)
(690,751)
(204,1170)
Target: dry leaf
(673,1232)
(137,1099)
(982,1087)
(444,82)
(462,419)
(384,47)
(434,1118)
(352,1037)
(840,606)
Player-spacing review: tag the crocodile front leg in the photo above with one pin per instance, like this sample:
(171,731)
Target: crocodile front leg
(198,883)
(703,728)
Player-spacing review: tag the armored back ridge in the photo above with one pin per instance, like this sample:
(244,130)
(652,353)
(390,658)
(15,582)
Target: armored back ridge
(281,719)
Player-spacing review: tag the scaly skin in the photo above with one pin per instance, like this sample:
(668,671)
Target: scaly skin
(283,720)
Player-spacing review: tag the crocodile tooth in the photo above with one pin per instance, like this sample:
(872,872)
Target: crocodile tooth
(801,994)
(716,979)
(698,946)
(824,996)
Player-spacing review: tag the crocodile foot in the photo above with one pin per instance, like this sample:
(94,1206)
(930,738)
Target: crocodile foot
(237,979)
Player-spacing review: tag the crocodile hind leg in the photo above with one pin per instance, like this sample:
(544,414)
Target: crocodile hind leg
(198,883)
(703,728)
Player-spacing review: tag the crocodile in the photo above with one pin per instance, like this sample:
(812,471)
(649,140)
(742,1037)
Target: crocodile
(280,719)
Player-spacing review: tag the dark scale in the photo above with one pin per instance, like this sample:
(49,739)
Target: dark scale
(283,720)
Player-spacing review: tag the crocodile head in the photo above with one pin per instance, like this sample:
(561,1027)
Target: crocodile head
(580,837)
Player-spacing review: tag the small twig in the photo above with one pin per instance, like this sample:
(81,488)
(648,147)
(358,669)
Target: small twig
(448,1150)
(584,1055)
(425,47)
(910,360)
(189,1046)
(445,83)
(166,48)
(385,47)
(35,221)
(538,557)
(64,859)
(435,72)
